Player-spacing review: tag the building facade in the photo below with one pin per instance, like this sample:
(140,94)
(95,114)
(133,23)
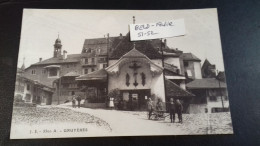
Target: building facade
(29,91)
(137,71)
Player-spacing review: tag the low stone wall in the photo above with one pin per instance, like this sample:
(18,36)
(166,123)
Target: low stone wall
(197,108)
(94,105)
(24,104)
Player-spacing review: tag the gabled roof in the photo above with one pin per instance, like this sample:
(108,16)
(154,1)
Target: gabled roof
(206,83)
(134,53)
(189,57)
(146,47)
(96,75)
(173,90)
(207,63)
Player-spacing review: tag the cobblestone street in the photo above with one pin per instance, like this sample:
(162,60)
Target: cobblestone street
(193,124)
(103,122)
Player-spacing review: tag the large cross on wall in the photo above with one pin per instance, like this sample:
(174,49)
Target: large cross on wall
(135,68)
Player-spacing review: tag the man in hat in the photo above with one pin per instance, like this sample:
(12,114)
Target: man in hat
(172,110)
(179,109)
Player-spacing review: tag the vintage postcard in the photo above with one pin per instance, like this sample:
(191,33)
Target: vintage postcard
(95,73)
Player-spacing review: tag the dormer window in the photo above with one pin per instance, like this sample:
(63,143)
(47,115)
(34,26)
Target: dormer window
(53,71)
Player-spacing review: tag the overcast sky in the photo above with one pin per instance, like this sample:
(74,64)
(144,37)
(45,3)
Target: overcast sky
(40,28)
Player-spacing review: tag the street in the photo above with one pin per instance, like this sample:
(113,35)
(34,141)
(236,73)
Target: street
(104,122)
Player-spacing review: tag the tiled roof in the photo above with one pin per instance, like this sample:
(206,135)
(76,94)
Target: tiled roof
(96,75)
(206,83)
(173,90)
(145,47)
(100,43)
(57,60)
(189,57)
(29,78)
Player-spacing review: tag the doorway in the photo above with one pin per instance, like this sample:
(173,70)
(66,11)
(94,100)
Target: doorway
(135,99)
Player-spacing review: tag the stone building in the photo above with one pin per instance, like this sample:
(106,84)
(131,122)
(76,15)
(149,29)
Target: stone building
(211,95)
(30,91)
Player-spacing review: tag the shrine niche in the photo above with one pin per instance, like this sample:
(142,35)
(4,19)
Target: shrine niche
(143,77)
(127,78)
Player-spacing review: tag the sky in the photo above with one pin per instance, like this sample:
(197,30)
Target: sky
(41,27)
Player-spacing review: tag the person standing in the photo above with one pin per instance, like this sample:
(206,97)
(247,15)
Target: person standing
(179,109)
(73,101)
(149,107)
(172,110)
(111,103)
(159,105)
(79,100)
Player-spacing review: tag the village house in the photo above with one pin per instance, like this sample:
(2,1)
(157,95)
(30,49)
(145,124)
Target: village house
(211,91)
(29,91)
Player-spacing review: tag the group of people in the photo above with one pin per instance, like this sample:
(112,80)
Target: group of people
(74,99)
(174,107)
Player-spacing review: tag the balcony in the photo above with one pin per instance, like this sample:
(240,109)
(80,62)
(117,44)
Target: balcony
(88,63)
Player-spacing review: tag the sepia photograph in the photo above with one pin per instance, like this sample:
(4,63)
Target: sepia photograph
(102,73)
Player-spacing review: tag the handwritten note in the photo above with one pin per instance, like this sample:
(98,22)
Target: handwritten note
(161,29)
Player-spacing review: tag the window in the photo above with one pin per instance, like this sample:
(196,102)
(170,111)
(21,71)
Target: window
(217,110)
(92,69)
(27,97)
(86,60)
(212,98)
(186,64)
(53,72)
(73,86)
(102,59)
(85,71)
(93,60)
(43,71)
(28,87)
(33,72)
(68,66)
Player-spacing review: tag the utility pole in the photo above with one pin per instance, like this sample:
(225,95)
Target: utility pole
(220,91)
(59,90)
(163,73)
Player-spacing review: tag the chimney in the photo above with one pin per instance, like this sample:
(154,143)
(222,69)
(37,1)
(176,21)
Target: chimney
(40,59)
(165,43)
(64,56)
(120,36)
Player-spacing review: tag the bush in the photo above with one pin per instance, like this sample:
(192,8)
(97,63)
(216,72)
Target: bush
(114,93)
